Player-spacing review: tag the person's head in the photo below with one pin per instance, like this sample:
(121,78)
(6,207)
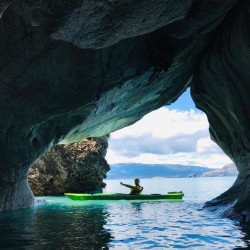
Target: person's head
(137,181)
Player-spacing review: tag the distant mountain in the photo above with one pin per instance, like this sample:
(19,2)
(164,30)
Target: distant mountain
(228,170)
(138,170)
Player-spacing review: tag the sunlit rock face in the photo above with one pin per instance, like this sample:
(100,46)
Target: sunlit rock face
(77,167)
(75,69)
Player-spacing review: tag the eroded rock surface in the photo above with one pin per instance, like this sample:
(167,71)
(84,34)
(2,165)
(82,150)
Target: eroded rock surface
(221,88)
(74,69)
(76,167)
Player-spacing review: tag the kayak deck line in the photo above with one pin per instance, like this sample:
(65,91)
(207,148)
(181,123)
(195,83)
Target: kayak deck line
(120,196)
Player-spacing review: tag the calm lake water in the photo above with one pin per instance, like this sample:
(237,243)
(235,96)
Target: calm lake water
(66,224)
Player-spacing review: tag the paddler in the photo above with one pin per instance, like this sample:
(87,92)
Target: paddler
(134,189)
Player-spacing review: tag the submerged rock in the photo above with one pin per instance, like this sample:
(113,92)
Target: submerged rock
(77,167)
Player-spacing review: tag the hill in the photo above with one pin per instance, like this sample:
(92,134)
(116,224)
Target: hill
(228,170)
(133,170)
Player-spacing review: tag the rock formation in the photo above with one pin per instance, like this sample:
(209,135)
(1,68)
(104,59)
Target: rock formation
(221,87)
(76,167)
(75,69)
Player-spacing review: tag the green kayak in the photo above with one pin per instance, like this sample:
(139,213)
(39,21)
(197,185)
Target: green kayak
(119,196)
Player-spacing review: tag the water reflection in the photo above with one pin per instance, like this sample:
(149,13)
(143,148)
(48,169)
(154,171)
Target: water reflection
(245,228)
(55,227)
(66,224)
(136,206)
(120,225)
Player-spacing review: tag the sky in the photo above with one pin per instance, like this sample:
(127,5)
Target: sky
(175,134)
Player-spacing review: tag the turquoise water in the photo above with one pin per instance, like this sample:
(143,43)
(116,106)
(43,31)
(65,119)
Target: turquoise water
(66,224)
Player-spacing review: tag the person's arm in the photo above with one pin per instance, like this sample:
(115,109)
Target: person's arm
(126,185)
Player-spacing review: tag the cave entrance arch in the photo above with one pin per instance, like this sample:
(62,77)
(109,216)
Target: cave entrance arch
(174,134)
(177,134)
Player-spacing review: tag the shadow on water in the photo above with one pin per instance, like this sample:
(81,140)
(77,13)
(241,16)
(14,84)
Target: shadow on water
(245,229)
(136,207)
(55,227)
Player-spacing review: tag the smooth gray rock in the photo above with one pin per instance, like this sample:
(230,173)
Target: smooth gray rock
(221,88)
(74,69)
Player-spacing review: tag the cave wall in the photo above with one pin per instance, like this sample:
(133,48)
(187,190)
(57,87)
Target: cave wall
(74,69)
(221,88)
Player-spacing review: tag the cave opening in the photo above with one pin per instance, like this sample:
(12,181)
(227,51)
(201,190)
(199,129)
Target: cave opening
(174,134)
(171,142)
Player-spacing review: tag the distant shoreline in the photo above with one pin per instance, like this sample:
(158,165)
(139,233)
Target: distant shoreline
(146,171)
(128,178)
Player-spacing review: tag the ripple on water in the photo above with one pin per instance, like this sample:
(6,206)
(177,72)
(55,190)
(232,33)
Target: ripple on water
(63,224)
(160,225)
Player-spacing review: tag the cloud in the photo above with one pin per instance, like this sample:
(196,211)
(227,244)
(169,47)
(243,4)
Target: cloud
(207,146)
(164,123)
(147,143)
(167,136)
